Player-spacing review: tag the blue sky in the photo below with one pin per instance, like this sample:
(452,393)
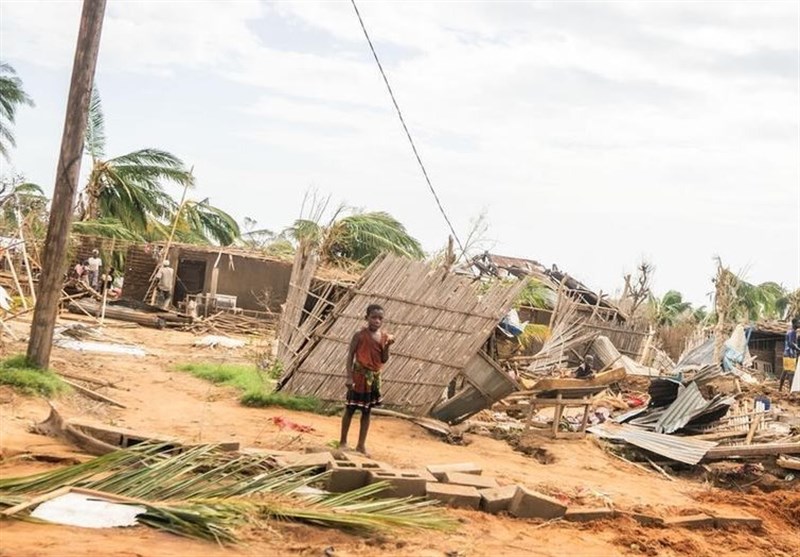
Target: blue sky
(593,134)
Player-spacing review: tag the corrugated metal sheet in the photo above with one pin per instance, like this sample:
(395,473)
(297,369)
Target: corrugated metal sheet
(689,405)
(699,356)
(689,401)
(680,449)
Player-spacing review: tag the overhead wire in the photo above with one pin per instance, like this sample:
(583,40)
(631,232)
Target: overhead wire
(405,128)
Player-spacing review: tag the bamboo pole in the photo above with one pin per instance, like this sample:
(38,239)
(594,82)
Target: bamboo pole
(165,253)
(17,285)
(24,249)
(69,166)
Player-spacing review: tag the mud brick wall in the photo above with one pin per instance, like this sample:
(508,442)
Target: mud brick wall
(140,262)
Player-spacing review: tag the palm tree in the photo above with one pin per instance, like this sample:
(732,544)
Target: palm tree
(200,222)
(25,200)
(356,238)
(668,310)
(127,188)
(12,95)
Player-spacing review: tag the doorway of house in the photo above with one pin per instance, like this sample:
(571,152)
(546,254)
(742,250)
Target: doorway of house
(191,279)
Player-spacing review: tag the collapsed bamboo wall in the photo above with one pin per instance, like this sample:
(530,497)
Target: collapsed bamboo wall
(440,321)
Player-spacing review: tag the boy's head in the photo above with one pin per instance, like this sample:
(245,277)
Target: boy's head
(374,317)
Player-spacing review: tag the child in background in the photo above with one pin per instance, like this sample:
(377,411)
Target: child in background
(369,351)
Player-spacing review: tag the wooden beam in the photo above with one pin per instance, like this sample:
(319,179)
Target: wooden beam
(66,187)
(766,449)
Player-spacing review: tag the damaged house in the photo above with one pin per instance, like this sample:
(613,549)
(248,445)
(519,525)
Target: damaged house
(441,321)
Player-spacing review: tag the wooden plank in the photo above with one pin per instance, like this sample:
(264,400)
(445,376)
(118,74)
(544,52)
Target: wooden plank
(766,449)
(789,463)
(36,500)
(92,394)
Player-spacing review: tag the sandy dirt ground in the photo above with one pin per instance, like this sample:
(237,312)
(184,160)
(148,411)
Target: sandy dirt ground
(161,400)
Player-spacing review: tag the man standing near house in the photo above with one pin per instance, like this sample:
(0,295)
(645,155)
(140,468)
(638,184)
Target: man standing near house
(166,280)
(791,350)
(93,266)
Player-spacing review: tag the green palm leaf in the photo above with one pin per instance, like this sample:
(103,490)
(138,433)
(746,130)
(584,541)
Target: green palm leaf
(12,96)
(210,223)
(95,137)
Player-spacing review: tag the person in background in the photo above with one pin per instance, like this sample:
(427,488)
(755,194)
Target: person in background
(791,350)
(585,371)
(94,264)
(79,270)
(166,280)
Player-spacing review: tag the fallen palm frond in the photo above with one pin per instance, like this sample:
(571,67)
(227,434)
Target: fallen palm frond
(205,493)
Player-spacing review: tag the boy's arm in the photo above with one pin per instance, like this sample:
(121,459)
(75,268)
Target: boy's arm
(351,354)
(385,350)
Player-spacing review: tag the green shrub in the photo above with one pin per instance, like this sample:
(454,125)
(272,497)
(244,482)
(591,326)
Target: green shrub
(19,374)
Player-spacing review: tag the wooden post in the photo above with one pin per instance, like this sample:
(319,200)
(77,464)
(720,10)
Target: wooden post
(67,174)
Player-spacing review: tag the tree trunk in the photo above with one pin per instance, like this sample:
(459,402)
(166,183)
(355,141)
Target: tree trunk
(69,166)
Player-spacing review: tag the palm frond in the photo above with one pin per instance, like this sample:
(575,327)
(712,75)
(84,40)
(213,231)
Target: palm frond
(204,493)
(12,95)
(364,236)
(95,141)
(210,223)
(107,228)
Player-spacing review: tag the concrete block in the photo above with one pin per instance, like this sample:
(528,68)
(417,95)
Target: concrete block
(305,460)
(438,470)
(427,476)
(402,483)
(460,496)
(531,504)
(478,482)
(642,518)
(690,521)
(497,499)
(587,514)
(346,476)
(723,519)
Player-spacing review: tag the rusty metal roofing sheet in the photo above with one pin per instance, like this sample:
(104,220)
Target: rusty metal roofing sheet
(681,449)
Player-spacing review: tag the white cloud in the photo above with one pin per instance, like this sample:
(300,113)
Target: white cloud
(667,128)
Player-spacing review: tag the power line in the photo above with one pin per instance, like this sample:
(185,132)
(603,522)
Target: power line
(405,127)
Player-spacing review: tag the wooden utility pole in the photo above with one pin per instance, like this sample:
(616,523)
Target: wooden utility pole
(67,173)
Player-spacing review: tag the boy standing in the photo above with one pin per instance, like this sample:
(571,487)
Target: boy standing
(369,350)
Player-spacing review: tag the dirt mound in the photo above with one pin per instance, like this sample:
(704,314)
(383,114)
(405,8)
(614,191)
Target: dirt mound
(780,508)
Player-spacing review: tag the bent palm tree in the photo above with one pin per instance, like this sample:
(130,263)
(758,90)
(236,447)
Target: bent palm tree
(360,237)
(201,221)
(127,188)
(12,95)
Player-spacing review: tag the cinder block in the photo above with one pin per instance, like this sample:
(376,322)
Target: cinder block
(346,476)
(402,483)
(478,482)
(438,470)
(690,521)
(587,514)
(723,519)
(531,504)
(461,496)
(427,476)
(307,460)
(497,499)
